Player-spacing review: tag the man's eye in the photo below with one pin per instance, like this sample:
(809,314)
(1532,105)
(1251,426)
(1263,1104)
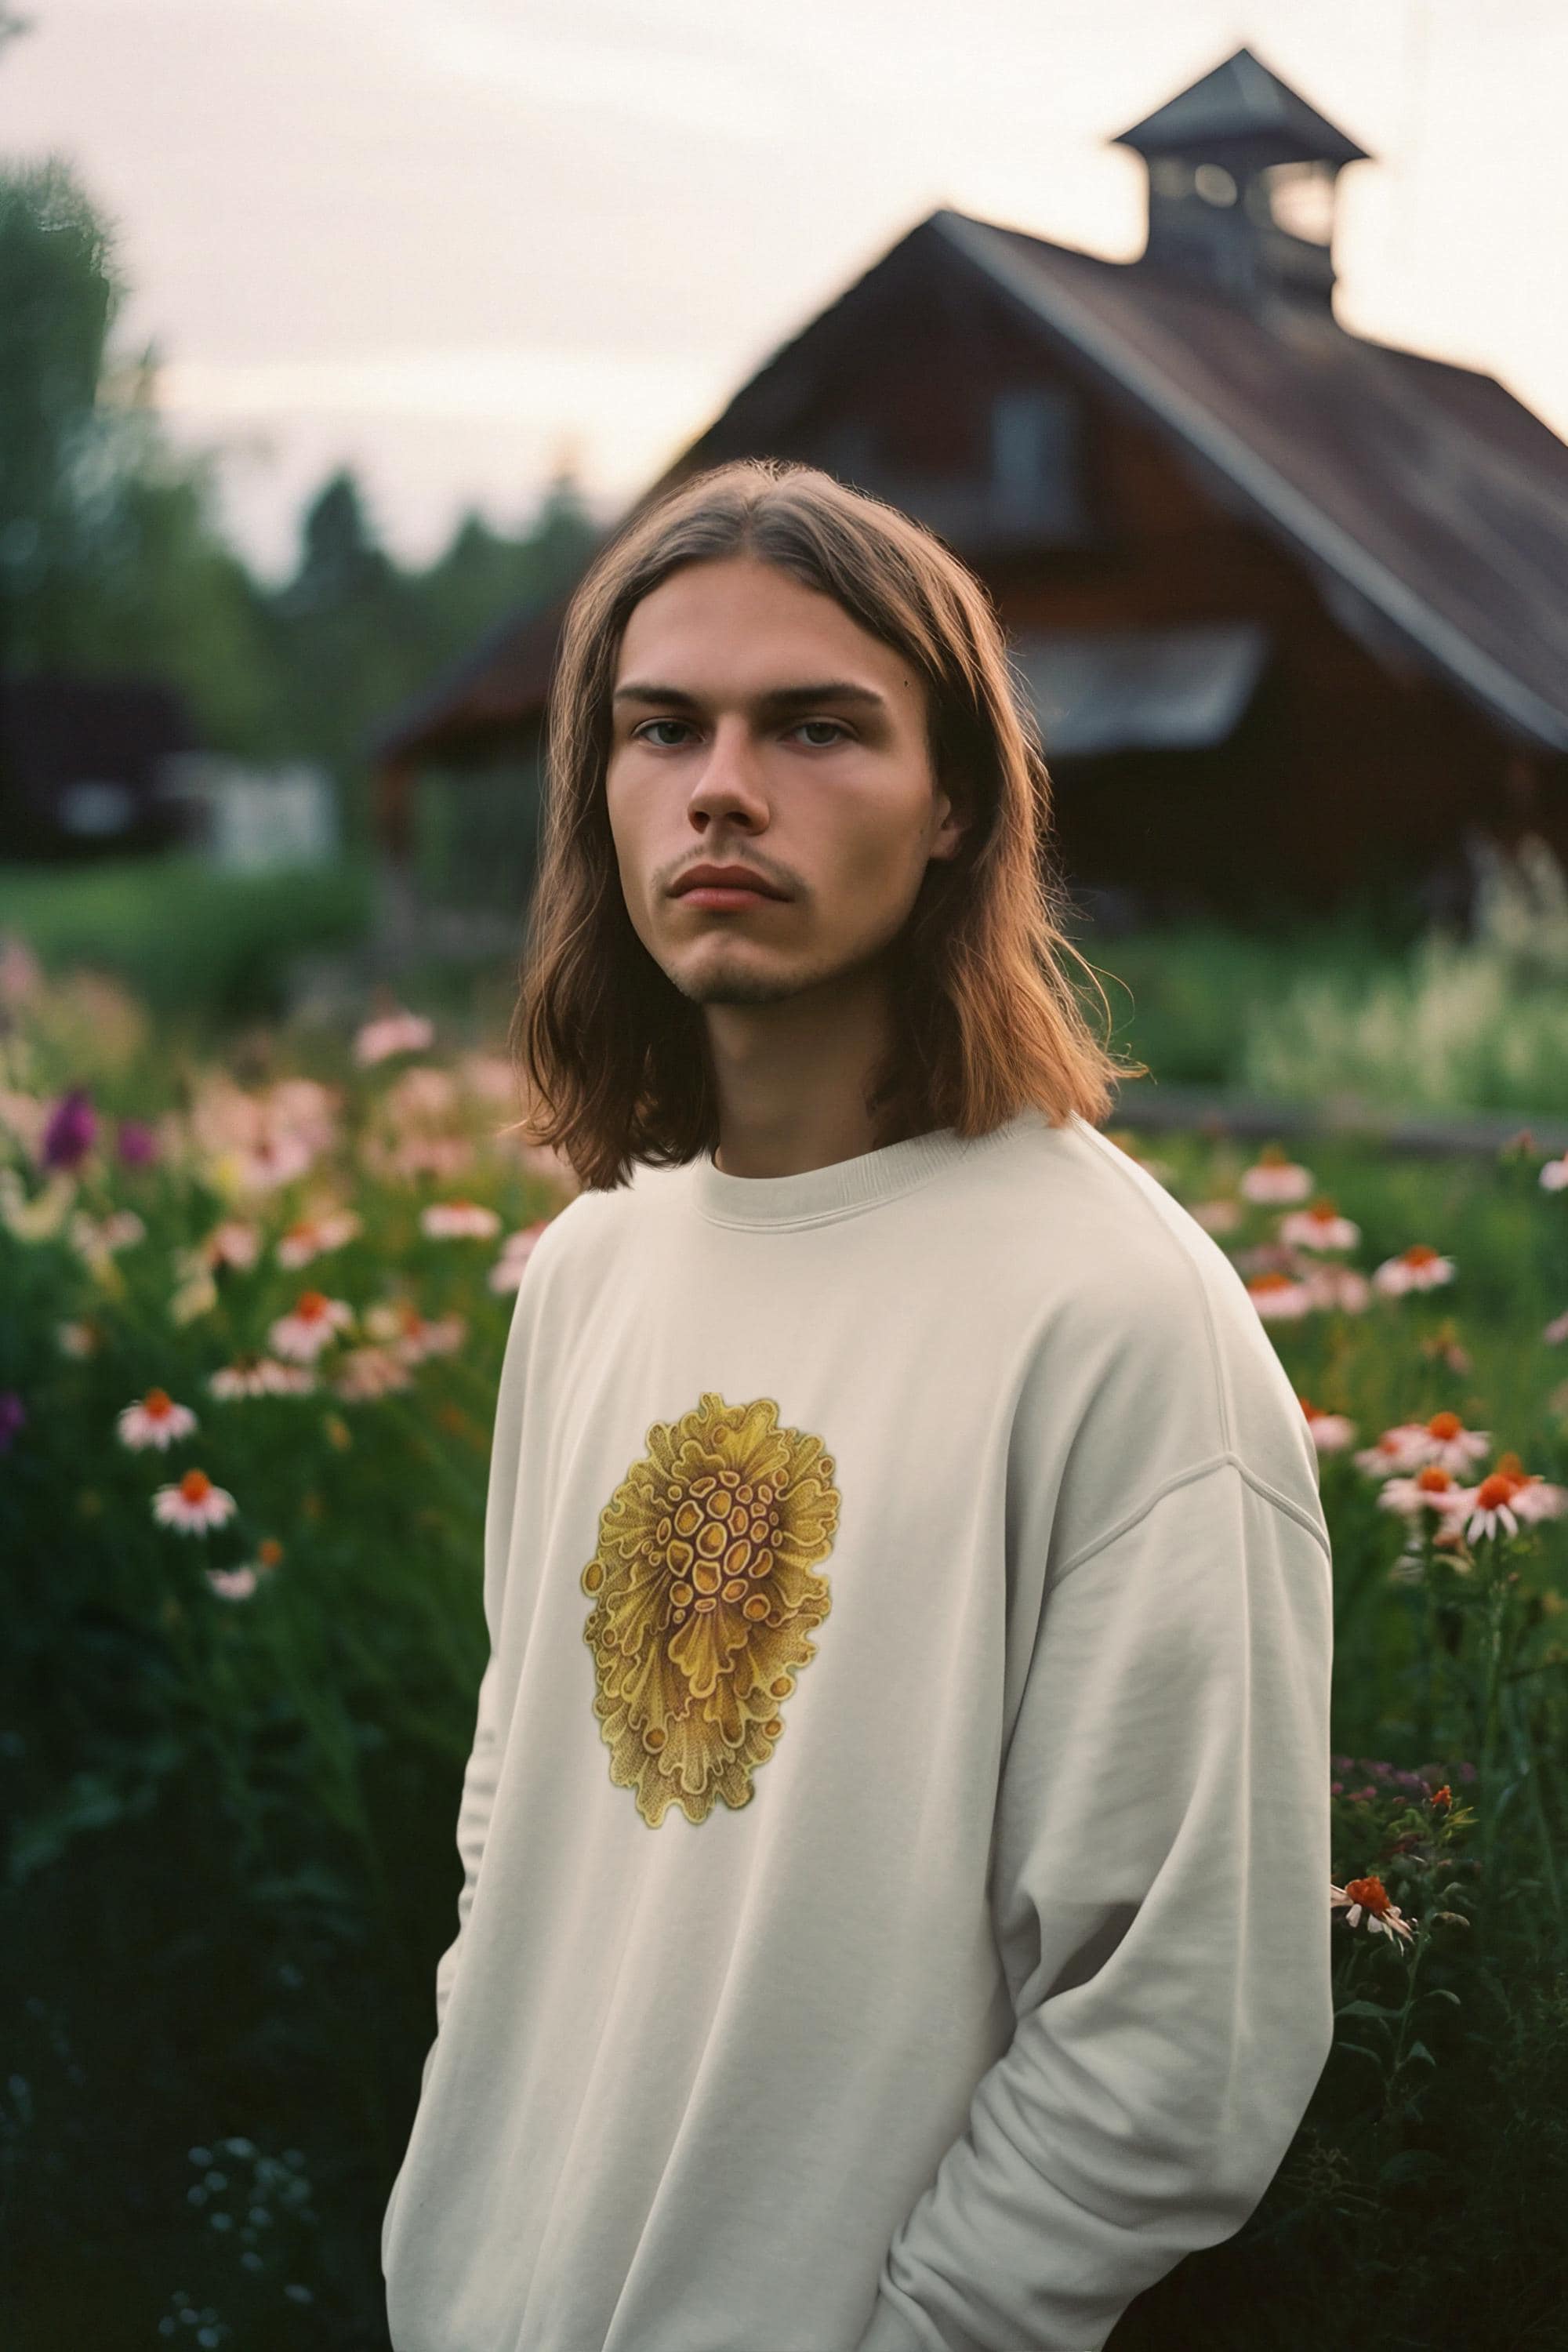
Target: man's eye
(643,730)
(833,723)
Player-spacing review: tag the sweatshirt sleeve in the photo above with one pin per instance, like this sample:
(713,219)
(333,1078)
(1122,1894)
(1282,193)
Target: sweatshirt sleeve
(473,1826)
(1159,1892)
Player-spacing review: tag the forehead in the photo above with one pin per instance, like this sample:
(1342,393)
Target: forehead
(739,627)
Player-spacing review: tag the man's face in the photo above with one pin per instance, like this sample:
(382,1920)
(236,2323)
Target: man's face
(756,724)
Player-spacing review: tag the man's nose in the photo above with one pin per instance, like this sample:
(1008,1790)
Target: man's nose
(731,776)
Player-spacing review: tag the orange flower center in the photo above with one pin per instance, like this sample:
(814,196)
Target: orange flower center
(195,1485)
(1419,1253)
(1323,1210)
(311,1306)
(1369,1893)
(1511,1466)
(269,1552)
(1443,1796)
(1271,1282)
(1272,1156)
(1445,1424)
(1307,1407)
(1433,1479)
(1495,1489)
(156,1401)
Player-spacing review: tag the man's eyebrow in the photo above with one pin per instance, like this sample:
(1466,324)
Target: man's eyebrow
(777,698)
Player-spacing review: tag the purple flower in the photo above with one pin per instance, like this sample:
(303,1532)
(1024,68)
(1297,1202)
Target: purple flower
(136,1142)
(71,1130)
(13,1413)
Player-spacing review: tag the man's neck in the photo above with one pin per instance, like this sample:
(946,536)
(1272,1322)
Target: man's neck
(792,1077)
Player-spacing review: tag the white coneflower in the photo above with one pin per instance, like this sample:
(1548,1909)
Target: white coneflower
(365,1373)
(154,1420)
(1533,1498)
(239,1583)
(257,1375)
(458,1220)
(1420,1267)
(80,1337)
(1275,1177)
(1488,1509)
(194,1505)
(1368,1899)
(233,1242)
(1321,1227)
(274,1160)
(1280,1297)
(1446,1440)
(399,1032)
(1331,1432)
(311,1237)
(1555,1330)
(311,1326)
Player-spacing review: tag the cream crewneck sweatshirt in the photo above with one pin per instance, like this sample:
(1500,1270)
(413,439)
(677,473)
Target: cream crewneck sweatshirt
(896,1835)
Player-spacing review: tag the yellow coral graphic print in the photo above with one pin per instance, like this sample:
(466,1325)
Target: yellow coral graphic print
(704,1597)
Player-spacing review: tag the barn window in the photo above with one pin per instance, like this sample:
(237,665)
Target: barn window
(1036,477)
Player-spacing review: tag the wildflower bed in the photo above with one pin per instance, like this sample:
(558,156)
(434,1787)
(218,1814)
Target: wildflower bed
(254,1312)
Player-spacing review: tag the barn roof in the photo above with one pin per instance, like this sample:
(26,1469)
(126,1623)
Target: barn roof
(1430,504)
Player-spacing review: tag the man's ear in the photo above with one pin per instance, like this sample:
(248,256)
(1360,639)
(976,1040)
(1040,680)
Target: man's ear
(953,824)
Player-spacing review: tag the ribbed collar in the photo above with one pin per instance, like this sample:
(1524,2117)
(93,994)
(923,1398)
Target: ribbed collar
(843,1188)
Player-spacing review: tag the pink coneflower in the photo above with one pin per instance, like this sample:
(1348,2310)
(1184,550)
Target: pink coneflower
(1404,1447)
(233,1242)
(1321,1227)
(458,1220)
(13,1417)
(256,1375)
(399,1323)
(135,1142)
(194,1505)
(302,1334)
(1555,1330)
(1274,1177)
(239,1583)
(1368,1899)
(99,1237)
(515,1252)
(310,1237)
(1446,1440)
(1431,1488)
(154,1420)
(399,1032)
(1554,1174)
(1338,1286)
(70,1131)
(1420,1267)
(1280,1297)
(1219,1216)
(365,1373)
(1331,1432)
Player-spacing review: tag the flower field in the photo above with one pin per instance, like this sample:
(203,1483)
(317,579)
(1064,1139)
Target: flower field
(253,1317)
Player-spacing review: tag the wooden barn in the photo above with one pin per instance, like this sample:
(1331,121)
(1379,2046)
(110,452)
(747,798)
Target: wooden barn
(1292,605)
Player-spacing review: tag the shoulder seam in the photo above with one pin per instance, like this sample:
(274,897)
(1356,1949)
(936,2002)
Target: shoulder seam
(1282,1502)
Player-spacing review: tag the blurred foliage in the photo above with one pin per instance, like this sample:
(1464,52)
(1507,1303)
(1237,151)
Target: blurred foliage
(208,946)
(113,556)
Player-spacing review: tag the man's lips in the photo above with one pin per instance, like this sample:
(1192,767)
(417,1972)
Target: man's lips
(718,886)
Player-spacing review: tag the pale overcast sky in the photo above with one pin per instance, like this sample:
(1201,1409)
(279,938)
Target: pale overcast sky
(447,240)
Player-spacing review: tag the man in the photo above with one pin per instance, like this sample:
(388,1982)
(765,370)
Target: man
(895,1840)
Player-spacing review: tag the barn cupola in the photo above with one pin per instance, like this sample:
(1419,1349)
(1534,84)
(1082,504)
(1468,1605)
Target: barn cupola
(1242,185)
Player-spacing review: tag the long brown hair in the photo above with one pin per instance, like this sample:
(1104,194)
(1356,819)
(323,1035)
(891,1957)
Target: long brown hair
(613,1057)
